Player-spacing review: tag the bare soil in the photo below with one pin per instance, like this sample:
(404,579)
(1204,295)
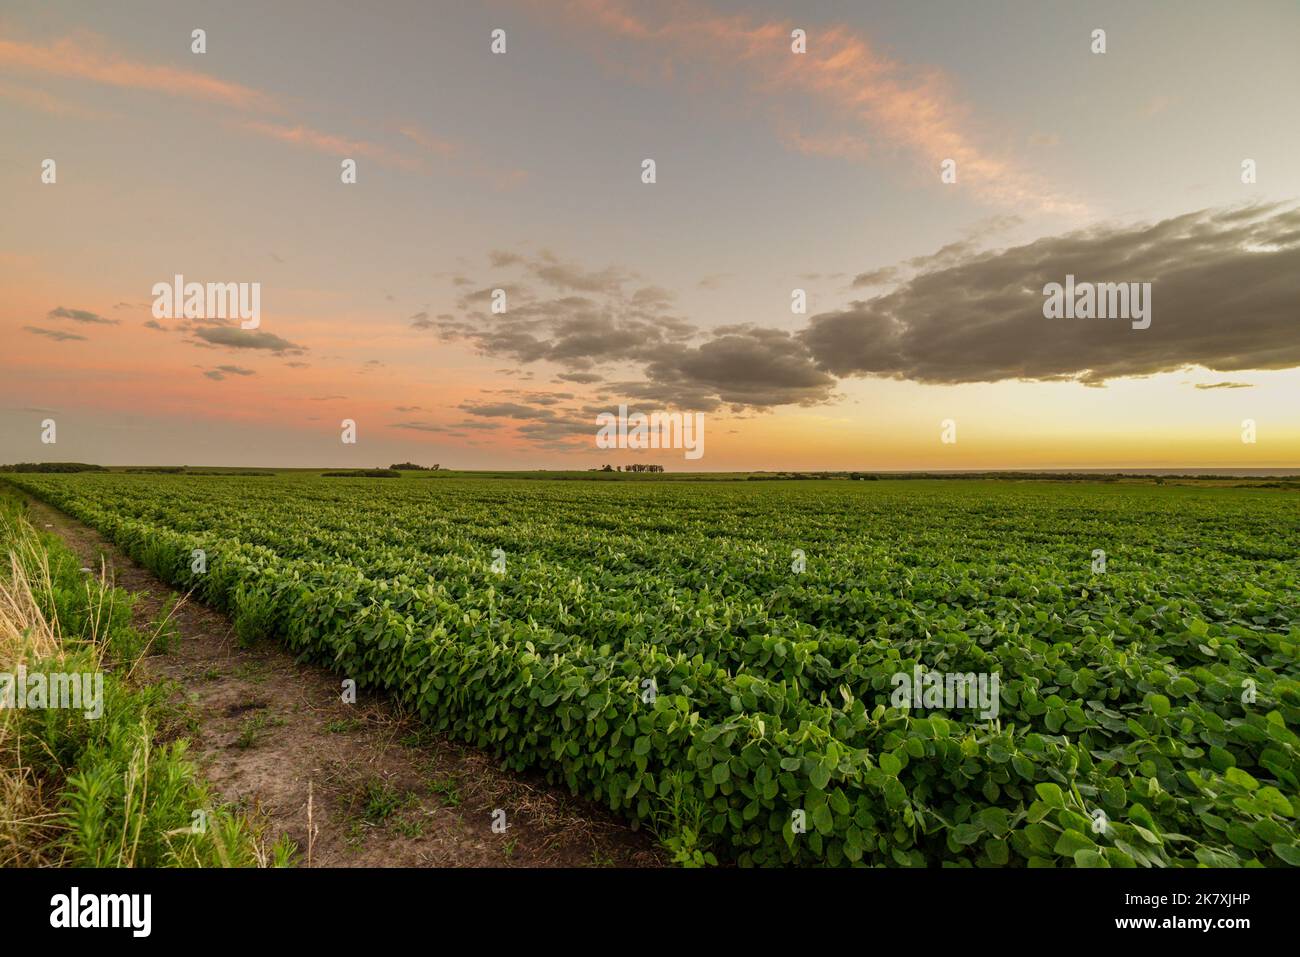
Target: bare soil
(268,731)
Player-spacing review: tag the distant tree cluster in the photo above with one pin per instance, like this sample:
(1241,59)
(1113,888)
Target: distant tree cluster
(412,467)
(52,467)
(629,468)
(783,476)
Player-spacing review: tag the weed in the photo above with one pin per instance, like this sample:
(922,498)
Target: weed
(448,790)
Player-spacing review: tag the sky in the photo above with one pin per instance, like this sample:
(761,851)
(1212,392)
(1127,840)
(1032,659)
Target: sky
(921,172)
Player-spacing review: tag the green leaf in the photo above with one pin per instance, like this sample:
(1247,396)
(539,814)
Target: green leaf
(996,850)
(1288,852)
(1071,841)
(1050,794)
(1241,779)
(995,820)
(819,777)
(1275,801)
(1117,858)
(1089,857)
(839,802)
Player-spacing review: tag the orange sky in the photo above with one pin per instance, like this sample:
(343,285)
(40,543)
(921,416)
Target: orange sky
(522,171)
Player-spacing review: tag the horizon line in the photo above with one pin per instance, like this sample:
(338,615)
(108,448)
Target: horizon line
(1231,471)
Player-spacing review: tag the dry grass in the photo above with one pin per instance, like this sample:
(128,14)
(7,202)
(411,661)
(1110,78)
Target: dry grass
(52,814)
(26,819)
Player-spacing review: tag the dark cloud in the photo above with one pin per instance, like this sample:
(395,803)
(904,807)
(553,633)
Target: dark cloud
(876,277)
(57,335)
(742,366)
(80,315)
(1225,284)
(500,258)
(677,395)
(539,398)
(509,410)
(574,331)
(220,372)
(542,425)
(1225,289)
(455,430)
(610,316)
(154,324)
(247,339)
(572,277)
(559,432)
(563,312)
(1224,385)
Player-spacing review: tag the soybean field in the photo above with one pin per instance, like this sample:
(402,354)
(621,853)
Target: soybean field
(763,672)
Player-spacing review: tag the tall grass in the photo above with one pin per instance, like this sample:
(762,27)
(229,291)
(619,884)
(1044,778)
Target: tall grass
(105,792)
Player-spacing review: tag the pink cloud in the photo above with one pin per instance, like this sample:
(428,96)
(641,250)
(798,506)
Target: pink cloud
(88,60)
(300,135)
(76,60)
(882,101)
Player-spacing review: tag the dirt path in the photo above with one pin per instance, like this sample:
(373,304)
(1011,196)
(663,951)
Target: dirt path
(385,791)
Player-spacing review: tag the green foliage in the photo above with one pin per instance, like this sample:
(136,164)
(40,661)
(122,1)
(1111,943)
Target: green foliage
(1122,692)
